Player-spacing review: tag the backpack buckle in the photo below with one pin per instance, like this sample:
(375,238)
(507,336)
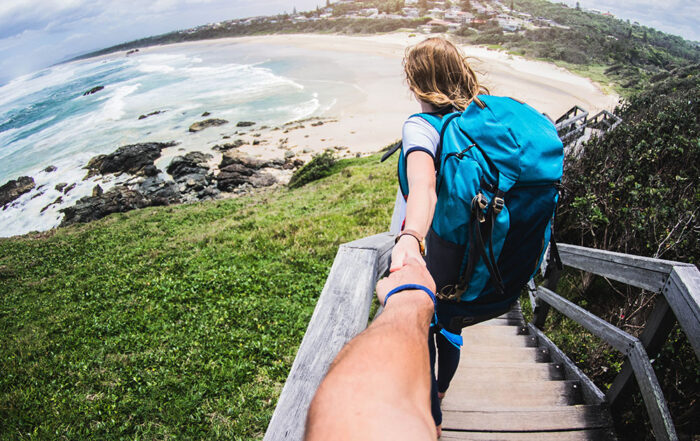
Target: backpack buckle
(450,292)
(479,204)
(498,204)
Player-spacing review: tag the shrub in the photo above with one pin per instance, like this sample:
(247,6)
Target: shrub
(319,167)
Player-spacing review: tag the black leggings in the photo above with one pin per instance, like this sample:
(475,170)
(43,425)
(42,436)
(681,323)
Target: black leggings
(454,317)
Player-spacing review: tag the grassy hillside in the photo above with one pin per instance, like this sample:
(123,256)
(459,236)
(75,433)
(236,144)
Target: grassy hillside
(177,321)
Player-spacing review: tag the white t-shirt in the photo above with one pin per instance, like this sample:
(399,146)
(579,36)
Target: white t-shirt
(417,135)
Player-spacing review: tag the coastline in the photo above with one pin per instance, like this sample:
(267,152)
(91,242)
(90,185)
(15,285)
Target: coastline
(383,101)
(362,102)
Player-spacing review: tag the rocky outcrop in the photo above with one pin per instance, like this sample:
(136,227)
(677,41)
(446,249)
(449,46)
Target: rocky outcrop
(135,159)
(15,188)
(245,123)
(191,173)
(117,200)
(93,90)
(191,163)
(237,169)
(50,169)
(201,125)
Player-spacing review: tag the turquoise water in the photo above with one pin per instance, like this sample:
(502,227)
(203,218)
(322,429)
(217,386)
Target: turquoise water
(45,119)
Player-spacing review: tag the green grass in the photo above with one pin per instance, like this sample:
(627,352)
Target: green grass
(173,322)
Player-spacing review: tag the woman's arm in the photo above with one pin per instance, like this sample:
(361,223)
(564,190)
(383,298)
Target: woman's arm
(420,207)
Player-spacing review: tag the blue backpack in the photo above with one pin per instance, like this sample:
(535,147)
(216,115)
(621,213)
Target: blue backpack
(498,164)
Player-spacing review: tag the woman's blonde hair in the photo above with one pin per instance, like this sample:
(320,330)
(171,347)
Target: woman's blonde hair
(439,74)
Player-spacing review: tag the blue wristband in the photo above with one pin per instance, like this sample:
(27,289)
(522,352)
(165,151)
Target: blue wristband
(411,286)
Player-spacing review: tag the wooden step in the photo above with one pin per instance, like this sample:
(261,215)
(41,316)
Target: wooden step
(490,372)
(473,340)
(569,435)
(540,418)
(466,394)
(492,354)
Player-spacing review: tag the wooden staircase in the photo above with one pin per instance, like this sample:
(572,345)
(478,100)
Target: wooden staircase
(507,388)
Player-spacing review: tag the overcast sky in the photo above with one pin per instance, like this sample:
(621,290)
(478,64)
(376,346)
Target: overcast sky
(37,33)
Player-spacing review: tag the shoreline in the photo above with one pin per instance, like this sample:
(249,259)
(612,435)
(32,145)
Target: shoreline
(361,80)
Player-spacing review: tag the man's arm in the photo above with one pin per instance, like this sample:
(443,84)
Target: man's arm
(378,387)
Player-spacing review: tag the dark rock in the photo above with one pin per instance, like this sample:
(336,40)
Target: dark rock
(317,123)
(159,191)
(256,141)
(245,123)
(205,114)
(93,90)
(228,146)
(226,137)
(50,168)
(191,163)
(69,188)
(15,188)
(262,179)
(57,201)
(133,159)
(97,191)
(61,186)
(133,51)
(201,125)
(157,112)
(117,200)
(236,157)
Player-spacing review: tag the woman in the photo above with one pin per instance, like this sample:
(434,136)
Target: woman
(442,81)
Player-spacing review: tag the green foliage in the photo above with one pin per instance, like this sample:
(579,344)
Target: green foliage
(637,190)
(319,167)
(173,322)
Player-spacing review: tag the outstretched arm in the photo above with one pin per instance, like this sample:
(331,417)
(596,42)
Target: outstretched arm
(378,387)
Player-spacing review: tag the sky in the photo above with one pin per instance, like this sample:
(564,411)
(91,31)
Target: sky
(38,33)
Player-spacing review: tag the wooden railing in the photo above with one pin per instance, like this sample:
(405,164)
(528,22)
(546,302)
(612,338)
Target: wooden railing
(341,313)
(343,308)
(679,284)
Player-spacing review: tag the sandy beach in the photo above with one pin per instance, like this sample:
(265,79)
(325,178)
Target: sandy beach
(371,116)
(298,95)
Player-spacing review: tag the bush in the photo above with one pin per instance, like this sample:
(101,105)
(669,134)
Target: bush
(319,167)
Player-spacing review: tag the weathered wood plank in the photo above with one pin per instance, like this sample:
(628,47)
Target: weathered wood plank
(499,354)
(464,393)
(659,325)
(683,295)
(486,372)
(569,435)
(642,272)
(591,393)
(654,399)
(533,419)
(341,313)
(616,337)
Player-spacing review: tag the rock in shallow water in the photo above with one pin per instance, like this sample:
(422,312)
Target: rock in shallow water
(15,188)
(201,125)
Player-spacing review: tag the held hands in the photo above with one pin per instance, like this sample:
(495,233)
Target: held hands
(412,272)
(406,249)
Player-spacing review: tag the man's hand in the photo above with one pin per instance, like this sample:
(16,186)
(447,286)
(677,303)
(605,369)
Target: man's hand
(413,271)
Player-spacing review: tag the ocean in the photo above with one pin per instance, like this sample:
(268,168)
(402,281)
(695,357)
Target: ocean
(46,120)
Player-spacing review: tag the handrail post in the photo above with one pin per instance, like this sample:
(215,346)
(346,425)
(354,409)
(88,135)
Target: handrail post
(658,327)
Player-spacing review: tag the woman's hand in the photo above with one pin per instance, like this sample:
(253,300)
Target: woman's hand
(405,250)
